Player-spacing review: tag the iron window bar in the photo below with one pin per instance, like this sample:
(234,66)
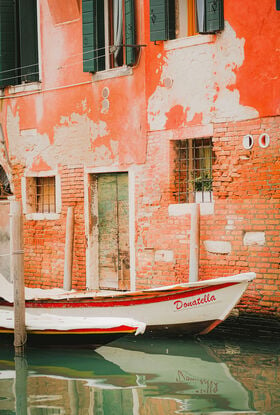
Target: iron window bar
(193,170)
(45,195)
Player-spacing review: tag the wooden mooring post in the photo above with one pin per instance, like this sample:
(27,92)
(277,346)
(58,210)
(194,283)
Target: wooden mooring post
(17,274)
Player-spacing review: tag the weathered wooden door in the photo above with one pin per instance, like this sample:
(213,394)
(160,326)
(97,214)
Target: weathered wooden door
(113,231)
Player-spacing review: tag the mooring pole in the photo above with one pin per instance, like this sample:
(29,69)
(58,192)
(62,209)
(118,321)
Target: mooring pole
(21,385)
(68,258)
(17,275)
(194,243)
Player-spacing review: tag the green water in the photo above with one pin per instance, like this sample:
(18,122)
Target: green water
(227,372)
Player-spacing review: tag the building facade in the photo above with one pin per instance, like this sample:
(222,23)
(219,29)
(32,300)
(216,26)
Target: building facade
(130,112)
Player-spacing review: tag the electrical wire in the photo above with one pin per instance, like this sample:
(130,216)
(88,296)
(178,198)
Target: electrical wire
(57,87)
(20,68)
(26,75)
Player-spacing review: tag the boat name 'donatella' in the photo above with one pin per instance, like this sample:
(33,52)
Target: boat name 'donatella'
(179,304)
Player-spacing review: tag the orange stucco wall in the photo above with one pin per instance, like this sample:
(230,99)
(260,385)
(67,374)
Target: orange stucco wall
(257,79)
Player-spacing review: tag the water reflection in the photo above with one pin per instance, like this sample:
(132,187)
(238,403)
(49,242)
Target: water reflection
(141,376)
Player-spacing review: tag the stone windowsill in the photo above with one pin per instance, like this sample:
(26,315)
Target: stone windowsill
(25,87)
(180,209)
(42,216)
(112,73)
(185,42)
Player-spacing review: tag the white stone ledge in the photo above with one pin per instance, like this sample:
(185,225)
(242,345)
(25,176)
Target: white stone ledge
(164,255)
(186,42)
(112,73)
(42,216)
(217,247)
(254,238)
(25,87)
(181,209)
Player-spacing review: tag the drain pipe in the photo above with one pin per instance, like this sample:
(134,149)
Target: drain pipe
(194,242)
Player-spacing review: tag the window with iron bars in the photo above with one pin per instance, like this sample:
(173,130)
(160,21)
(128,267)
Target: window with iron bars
(45,195)
(193,170)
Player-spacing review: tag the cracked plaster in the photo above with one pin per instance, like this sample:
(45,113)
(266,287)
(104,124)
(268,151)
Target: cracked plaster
(73,140)
(203,82)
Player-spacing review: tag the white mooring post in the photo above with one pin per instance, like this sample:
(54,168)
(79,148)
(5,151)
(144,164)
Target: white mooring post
(68,258)
(194,243)
(17,275)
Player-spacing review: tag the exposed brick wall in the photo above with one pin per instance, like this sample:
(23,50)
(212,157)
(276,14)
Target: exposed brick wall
(246,194)
(45,239)
(240,173)
(229,223)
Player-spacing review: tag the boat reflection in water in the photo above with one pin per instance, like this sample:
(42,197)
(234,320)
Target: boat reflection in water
(146,376)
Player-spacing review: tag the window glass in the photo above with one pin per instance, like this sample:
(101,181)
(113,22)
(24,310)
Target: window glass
(41,195)
(185,18)
(108,34)
(170,19)
(45,195)
(193,170)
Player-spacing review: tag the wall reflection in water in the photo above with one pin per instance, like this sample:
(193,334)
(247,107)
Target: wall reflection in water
(141,376)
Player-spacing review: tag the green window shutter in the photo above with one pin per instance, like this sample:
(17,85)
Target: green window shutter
(28,39)
(159,27)
(277,4)
(89,14)
(130,53)
(210,16)
(214,21)
(93,35)
(8,44)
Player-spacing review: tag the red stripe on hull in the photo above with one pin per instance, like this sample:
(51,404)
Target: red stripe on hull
(111,330)
(120,329)
(122,302)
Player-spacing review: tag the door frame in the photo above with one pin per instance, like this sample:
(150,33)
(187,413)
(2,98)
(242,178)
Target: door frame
(91,225)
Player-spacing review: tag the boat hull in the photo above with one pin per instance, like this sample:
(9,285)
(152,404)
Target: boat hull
(49,339)
(172,311)
(192,308)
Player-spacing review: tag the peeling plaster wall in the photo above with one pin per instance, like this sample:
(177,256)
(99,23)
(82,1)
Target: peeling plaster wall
(201,76)
(77,137)
(67,113)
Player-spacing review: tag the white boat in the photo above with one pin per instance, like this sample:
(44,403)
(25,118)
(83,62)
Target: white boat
(54,329)
(194,308)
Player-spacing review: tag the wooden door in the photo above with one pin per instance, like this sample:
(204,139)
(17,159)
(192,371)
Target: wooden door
(113,231)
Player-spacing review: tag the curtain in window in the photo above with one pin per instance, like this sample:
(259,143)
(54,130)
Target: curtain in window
(118,28)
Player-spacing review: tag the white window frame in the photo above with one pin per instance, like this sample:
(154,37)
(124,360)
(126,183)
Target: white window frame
(28,209)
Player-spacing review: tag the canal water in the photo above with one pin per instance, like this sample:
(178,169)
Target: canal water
(233,370)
